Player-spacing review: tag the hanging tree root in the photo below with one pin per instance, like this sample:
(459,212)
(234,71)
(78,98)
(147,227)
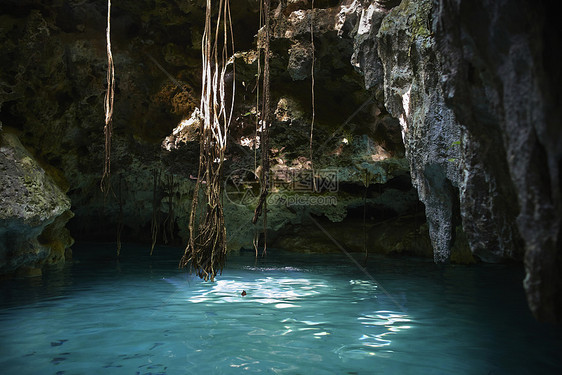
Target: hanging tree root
(312,79)
(168,224)
(261,208)
(206,249)
(155,222)
(120,217)
(108,106)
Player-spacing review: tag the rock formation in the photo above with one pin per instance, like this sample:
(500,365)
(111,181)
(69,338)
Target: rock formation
(500,63)
(472,85)
(33,212)
(459,97)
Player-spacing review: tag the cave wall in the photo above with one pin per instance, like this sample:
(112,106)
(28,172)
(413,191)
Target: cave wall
(458,96)
(501,63)
(51,97)
(472,84)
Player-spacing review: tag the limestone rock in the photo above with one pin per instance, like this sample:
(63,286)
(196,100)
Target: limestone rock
(186,131)
(429,130)
(500,63)
(365,57)
(300,61)
(482,130)
(402,235)
(449,166)
(33,211)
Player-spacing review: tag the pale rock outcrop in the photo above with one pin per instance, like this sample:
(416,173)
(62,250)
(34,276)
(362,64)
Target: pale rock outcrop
(361,20)
(430,132)
(33,212)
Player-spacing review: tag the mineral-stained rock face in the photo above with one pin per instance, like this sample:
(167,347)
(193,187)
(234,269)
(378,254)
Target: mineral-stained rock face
(361,20)
(470,84)
(33,212)
(446,161)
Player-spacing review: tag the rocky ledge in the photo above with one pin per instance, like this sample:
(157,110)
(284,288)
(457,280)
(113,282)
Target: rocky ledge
(33,213)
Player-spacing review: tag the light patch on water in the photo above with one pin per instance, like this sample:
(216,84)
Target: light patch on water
(311,323)
(380,328)
(269,290)
(269,269)
(305,328)
(367,283)
(289,320)
(243,362)
(341,325)
(285,305)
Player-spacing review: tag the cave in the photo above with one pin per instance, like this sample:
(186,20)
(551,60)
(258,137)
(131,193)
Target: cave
(280,186)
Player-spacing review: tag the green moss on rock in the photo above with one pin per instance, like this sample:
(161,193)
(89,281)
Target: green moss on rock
(33,211)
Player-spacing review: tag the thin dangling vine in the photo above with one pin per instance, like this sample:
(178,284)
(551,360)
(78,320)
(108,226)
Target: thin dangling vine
(365,249)
(256,240)
(168,224)
(155,222)
(206,248)
(264,128)
(108,106)
(120,224)
(258,77)
(312,84)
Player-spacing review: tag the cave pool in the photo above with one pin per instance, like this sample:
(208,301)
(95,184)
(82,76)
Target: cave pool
(302,314)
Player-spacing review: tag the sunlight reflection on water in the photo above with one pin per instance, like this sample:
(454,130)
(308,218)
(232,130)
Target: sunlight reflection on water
(263,290)
(300,315)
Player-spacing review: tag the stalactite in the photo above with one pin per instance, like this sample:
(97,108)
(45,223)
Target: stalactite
(206,248)
(108,106)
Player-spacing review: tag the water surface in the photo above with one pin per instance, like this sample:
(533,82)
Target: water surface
(302,314)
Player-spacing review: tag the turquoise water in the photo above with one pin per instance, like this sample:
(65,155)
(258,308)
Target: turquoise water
(302,314)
